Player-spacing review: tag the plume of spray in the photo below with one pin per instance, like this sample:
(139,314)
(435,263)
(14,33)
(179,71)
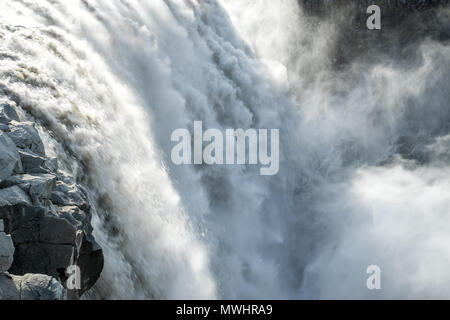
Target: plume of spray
(362,167)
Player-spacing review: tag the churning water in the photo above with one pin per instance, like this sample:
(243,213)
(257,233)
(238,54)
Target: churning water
(364,174)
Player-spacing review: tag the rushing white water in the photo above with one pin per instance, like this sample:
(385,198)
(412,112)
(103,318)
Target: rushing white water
(109,81)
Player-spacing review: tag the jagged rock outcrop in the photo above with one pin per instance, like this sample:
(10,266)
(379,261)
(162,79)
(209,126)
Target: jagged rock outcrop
(46,214)
(9,157)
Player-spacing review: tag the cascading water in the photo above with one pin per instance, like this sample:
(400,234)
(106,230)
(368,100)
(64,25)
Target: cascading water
(109,81)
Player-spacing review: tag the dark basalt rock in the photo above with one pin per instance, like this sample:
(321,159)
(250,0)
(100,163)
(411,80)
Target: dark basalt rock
(46,214)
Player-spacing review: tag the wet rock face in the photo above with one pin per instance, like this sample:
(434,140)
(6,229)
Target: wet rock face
(46,214)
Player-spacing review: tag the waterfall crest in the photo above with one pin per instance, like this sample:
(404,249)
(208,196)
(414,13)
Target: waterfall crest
(363,147)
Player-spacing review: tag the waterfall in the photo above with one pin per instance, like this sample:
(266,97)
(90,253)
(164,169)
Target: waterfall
(364,150)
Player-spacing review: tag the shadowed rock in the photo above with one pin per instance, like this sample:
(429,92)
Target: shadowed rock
(46,216)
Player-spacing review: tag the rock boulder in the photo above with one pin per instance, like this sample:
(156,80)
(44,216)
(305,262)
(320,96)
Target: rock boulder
(9,157)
